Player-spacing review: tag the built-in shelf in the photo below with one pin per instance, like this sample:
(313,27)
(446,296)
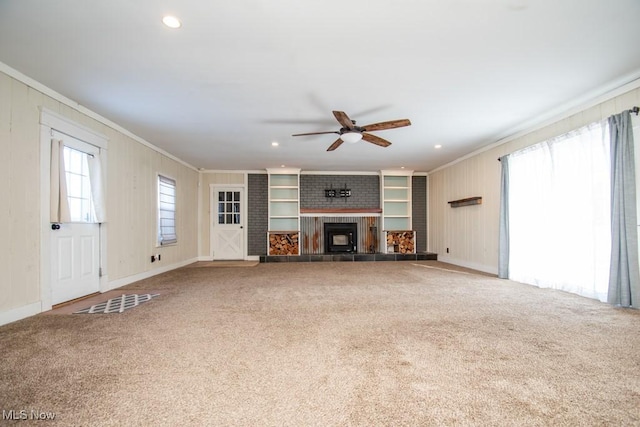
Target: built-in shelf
(466,202)
(284,212)
(283,242)
(396,200)
(401,242)
(396,233)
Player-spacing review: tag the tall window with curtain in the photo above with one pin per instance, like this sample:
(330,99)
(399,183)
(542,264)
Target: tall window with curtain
(166,211)
(567,217)
(559,213)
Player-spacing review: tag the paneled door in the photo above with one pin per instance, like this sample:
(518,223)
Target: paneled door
(75,253)
(227,231)
(74,261)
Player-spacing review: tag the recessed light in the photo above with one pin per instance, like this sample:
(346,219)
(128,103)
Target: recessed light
(274,144)
(437,146)
(281,166)
(171,21)
(517,5)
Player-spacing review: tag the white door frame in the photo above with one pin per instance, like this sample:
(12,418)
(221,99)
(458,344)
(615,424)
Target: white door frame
(213,210)
(49,121)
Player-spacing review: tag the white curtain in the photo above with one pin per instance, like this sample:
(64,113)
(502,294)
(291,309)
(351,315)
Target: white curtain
(59,209)
(559,213)
(97,187)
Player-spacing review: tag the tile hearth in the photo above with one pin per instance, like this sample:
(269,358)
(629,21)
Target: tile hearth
(424,256)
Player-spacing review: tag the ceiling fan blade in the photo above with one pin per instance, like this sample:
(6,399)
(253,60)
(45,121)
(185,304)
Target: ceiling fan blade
(343,119)
(375,140)
(315,133)
(335,145)
(387,125)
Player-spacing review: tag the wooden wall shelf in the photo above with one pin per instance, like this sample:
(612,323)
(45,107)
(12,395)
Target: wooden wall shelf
(466,202)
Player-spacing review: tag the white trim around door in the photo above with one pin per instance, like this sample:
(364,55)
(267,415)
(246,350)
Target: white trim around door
(50,122)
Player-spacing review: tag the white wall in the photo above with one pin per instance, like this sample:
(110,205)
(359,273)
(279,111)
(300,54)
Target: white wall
(131,194)
(471,232)
(19,193)
(132,168)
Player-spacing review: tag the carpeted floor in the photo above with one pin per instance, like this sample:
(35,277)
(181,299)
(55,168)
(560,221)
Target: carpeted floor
(329,344)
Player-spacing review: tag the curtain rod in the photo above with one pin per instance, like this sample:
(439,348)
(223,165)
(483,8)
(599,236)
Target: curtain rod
(634,110)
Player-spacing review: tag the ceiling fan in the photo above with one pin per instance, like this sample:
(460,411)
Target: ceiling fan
(349,132)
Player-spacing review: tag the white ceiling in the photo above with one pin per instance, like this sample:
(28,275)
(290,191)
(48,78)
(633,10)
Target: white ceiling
(241,74)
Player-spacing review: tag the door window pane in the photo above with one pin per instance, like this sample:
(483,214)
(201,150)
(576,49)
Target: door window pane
(78,185)
(229,207)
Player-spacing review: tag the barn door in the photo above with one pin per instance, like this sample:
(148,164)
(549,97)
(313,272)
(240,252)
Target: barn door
(228,232)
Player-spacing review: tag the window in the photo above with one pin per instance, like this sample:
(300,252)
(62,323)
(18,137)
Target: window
(78,185)
(166,211)
(559,213)
(229,207)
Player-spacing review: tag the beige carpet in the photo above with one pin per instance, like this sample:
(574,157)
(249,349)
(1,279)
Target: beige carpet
(330,344)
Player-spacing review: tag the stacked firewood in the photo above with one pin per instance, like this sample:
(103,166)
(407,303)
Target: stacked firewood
(401,242)
(283,244)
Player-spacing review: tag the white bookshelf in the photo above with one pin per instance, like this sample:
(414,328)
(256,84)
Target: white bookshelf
(284,205)
(396,203)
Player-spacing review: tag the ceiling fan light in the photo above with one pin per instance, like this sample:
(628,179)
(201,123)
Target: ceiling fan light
(171,21)
(351,137)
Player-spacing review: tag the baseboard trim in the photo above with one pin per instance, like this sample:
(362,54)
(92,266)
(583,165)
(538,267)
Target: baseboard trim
(29,310)
(20,313)
(118,283)
(247,258)
(471,265)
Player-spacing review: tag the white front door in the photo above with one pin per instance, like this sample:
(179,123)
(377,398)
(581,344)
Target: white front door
(227,231)
(75,245)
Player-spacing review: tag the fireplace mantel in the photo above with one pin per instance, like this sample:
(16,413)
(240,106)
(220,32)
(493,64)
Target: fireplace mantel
(340,211)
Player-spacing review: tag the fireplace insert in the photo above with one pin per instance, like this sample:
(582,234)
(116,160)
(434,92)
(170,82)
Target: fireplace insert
(340,237)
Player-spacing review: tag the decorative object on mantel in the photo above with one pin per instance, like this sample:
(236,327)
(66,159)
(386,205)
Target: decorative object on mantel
(342,192)
(466,202)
